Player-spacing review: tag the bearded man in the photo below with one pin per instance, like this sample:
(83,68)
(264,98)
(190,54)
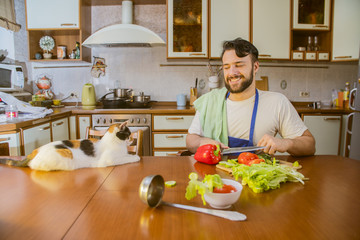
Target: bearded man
(240,115)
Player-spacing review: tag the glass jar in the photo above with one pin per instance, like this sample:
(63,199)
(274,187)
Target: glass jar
(11,112)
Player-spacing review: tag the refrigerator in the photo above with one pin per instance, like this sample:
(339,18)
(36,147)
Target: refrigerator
(354,148)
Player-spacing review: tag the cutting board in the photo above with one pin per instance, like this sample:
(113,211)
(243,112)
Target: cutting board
(281,162)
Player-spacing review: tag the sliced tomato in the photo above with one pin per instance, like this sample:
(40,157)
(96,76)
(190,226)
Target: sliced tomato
(246,157)
(255,161)
(225,189)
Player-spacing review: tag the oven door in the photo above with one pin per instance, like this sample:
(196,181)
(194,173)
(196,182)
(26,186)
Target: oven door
(146,137)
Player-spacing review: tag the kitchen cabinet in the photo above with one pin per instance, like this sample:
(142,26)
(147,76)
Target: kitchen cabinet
(326,130)
(35,137)
(12,142)
(54,14)
(67,22)
(228,21)
(169,133)
(187,29)
(346,30)
(271,28)
(60,129)
(311,14)
(72,127)
(83,121)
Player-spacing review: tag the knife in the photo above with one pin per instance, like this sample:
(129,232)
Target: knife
(240,149)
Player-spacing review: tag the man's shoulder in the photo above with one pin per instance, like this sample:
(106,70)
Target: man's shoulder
(272,95)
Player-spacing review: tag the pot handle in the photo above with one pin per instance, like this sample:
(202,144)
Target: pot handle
(103,97)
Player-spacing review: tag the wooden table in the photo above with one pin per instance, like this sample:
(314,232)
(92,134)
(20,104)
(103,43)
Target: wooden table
(104,204)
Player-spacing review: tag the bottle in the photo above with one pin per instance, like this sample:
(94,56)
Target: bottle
(77,51)
(11,112)
(309,46)
(346,95)
(316,44)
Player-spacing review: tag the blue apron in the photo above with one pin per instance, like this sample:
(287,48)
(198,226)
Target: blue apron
(238,142)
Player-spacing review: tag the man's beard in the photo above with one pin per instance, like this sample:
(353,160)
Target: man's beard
(243,86)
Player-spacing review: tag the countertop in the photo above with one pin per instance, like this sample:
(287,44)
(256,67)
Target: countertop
(104,203)
(156,108)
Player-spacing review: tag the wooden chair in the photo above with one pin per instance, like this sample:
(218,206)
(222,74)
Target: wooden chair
(135,147)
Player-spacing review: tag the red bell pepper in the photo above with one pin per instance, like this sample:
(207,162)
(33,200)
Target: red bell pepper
(209,154)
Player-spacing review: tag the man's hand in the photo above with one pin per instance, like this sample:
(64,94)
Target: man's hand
(299,146)
(272,144)
(193,141)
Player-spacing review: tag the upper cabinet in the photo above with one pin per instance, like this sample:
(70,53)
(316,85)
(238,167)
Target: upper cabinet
(271,28)
(187,29)
(52,14)
(311,14)
(346,30)
(65,21)
(228,21)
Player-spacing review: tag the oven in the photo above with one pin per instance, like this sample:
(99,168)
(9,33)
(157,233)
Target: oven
(135,122)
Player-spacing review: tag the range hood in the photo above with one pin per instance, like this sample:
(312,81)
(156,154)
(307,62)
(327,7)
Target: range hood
(125,34)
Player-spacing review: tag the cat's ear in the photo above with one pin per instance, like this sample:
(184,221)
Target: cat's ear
(123,125)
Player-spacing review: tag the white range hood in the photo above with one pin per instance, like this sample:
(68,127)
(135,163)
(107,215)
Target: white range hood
(125,34)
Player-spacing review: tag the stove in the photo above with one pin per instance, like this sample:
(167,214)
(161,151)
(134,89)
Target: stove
(135,122)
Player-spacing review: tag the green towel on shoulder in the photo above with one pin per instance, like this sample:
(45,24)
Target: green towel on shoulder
(213,120)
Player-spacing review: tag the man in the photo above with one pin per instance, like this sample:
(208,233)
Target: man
(240,115)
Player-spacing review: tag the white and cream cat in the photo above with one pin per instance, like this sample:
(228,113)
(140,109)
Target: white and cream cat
(110,150)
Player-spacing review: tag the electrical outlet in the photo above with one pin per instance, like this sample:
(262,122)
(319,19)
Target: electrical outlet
(304,94)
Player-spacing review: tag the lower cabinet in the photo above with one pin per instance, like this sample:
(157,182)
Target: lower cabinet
(83,123)
(60,129)
(326,130)
(169,133)
(36,137)
(10,144)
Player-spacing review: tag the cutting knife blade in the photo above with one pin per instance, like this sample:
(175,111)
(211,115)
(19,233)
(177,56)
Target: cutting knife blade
(240,149)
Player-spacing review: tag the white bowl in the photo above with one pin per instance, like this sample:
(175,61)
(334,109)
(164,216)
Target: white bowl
(224,200)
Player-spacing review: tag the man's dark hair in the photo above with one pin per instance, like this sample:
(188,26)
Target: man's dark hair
(242,48)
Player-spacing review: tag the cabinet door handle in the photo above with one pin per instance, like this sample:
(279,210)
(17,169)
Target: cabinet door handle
(351,98)
(342,57)
(58,124)
(172,137)
(197,54)
(170,154)
(347,125)
(68,24)
(264,55)
(45,128)
(331,119)
(320,26)
(4,139)
(174,118)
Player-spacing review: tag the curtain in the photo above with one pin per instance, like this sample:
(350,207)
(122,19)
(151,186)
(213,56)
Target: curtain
(7,15)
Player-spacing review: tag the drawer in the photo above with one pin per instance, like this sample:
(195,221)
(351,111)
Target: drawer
(323,56)
(165,153)
(170,140)
(172,122)
(310,56)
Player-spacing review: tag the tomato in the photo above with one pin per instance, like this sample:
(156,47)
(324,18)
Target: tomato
(255,161)
(225,189)
(246,157)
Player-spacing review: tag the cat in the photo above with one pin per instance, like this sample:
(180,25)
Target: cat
(110,150)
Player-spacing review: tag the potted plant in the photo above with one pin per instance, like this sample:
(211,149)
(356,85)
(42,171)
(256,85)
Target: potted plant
(47,44)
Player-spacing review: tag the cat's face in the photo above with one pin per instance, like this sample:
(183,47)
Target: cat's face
(121,131)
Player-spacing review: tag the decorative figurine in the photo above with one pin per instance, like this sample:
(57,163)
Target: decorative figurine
(44,84)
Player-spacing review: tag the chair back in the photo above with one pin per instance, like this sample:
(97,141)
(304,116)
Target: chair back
(136,139)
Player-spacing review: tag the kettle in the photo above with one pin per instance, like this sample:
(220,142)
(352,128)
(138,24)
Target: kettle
(88,98)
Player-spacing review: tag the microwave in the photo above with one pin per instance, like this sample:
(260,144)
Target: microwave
(11,78)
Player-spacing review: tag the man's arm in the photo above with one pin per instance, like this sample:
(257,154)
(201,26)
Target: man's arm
(303,145)
(193,141)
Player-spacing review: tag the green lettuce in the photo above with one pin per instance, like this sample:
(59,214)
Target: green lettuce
(196,186)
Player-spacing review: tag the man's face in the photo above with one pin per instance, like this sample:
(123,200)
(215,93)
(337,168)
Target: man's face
(238,72)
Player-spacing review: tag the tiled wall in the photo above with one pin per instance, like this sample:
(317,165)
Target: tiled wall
(139,68)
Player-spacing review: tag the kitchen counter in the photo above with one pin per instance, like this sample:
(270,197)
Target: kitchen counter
(157,108)
(104,203)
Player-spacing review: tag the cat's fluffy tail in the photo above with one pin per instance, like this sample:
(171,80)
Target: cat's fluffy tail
(14,161)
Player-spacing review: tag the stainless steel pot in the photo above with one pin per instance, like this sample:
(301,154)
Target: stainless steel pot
(141,98)
(121,92)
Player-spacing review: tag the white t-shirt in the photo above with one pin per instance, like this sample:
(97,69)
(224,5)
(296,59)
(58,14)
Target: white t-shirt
(275,115)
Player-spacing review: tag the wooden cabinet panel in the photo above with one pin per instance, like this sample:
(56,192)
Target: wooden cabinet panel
(170,140)
(346,30)
(271,28)
(52,14)
(60,129)
(12,140)
(36,137)
(228,21)
(83,123)
(313,15)
(172,122)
